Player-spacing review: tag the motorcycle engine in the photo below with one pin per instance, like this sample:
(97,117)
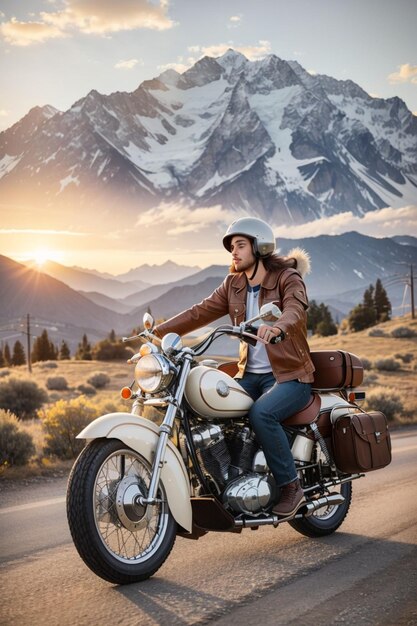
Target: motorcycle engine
(227,455)
(249,494)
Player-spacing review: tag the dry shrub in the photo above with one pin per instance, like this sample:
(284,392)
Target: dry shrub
(62,422)
(366,363)
(22,397)
(403,332)
(376,332)
(387,365)
(57,383)
(405,358)
(98,380)
(16,446)
(48,365)
(87,390)
(386,400)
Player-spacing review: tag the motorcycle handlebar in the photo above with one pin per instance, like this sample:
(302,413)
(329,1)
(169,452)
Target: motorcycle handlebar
(253,331)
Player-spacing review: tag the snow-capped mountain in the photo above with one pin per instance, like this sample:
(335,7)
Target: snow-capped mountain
(264,135)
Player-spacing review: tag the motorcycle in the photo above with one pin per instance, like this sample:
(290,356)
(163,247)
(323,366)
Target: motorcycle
(140,482)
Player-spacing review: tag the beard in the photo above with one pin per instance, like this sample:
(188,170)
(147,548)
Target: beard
(244,266)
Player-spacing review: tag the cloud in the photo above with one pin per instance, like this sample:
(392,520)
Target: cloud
(382,223)
(180,66)
(27,33)
(407,74)
(128,64)
(4,113)
(40,231)
(97,17)
(234,21)
(176,219)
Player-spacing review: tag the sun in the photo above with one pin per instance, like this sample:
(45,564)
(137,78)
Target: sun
(42,255)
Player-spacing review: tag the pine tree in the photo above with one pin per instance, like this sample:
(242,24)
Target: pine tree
(19,357)
(84,350)
(359,318)
(363,315)
(64,352)
(6,355)
(313,316)
(369,305)
(2,362)
(382,304)
(319,320)
(43,349)
(112,336)
(326,325)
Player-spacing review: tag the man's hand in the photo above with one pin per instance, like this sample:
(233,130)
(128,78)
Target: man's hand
(268,333)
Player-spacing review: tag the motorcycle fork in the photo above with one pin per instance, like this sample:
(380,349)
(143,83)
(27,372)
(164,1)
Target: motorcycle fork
(165,431)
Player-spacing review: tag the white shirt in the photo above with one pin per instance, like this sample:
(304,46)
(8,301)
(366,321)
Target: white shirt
(258,362)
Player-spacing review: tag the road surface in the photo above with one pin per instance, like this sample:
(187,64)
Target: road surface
(366,573)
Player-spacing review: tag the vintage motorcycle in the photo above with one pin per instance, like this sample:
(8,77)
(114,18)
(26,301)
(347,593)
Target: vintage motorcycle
(138,483)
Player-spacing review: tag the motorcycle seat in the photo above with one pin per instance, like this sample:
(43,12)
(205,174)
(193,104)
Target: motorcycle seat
(306,415)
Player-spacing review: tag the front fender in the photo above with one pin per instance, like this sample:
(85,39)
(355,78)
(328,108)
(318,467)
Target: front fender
(141,435)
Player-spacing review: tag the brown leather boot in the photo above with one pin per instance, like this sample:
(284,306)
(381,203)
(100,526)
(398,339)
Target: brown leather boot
(291,497)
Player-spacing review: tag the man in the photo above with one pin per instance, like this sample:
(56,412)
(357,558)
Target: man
(276,375)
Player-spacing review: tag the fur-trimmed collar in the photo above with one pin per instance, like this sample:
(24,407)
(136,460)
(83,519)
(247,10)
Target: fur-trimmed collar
(302,258)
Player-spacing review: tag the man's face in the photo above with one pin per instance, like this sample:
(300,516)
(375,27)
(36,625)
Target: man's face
(242,254)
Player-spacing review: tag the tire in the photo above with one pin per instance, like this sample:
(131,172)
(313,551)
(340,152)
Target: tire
(325,521)
(118,539)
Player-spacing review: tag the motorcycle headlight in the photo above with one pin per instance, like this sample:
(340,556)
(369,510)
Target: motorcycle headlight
(153,373)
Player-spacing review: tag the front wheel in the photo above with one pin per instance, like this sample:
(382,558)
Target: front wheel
(119,539)
(326,520)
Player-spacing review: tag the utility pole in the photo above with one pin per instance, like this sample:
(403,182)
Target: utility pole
(28,340)
(412,291)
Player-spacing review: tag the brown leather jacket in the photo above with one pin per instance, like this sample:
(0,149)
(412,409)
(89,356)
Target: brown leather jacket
(290,359)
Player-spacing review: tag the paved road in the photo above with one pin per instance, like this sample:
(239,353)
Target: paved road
(366,573)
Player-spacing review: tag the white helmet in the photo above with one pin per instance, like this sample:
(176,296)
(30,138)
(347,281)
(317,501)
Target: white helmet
(258,231)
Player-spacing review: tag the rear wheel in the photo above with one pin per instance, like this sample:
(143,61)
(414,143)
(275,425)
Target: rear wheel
(326,520)
(119,539)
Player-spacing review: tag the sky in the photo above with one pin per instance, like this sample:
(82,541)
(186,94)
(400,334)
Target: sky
(55,51)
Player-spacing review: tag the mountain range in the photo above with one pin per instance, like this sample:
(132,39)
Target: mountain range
(261,135)
(343,266)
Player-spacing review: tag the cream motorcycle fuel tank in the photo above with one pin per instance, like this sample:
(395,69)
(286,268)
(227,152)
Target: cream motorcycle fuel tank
(214,394)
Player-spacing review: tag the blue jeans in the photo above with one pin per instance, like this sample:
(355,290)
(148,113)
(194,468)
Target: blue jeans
(274,402)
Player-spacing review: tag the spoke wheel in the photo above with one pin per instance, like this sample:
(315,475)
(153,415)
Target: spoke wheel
(326,520)
(119,538)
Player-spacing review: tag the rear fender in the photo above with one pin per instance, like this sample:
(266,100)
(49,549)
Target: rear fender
(141,435)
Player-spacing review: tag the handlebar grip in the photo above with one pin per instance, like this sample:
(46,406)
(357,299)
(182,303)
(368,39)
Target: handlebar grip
(276,339)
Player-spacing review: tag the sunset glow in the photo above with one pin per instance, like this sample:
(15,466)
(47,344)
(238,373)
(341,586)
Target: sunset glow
(42,255)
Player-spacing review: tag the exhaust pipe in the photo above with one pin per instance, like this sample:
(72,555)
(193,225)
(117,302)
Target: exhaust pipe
(305,510)
(334,499)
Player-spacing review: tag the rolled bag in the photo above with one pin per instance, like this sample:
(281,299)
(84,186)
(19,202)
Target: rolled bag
(142,436)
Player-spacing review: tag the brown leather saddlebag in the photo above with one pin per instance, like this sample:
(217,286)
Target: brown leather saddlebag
(336,369)
(361,442)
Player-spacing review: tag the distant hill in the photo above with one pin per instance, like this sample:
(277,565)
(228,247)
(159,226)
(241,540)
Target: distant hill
(51,304)
(158,274)
(150,294)
(109,303)
(343,266)
(85,280)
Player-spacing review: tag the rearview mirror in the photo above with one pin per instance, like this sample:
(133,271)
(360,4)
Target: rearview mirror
(148,321)
(171,344)
(270,312)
